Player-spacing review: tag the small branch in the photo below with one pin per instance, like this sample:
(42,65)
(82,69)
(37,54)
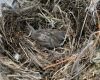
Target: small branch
(67,59)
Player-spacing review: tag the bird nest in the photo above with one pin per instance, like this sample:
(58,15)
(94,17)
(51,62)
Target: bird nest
(49,40)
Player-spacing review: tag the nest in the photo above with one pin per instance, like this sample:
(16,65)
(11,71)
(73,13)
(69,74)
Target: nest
(49,40)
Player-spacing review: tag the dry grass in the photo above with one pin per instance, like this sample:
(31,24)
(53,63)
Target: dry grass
(25,59)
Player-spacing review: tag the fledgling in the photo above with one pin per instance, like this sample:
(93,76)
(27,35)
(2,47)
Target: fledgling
(48,38)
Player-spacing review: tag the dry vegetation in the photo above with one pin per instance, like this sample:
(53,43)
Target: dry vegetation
(50,40)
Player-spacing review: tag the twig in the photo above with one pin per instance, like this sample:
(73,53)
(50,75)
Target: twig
(72,58)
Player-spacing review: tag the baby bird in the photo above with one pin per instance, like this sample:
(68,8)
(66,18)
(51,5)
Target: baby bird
(48,38)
